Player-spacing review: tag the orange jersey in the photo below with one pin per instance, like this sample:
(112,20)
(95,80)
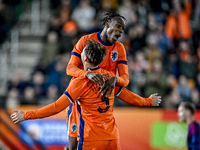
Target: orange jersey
(115,60)
(96,112)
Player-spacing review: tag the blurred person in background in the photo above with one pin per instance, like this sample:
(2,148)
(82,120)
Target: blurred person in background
(183,88)
(29,97)
(137,38)
(195,97)
(126,10)
(186,112)
(156,79)
(84,15)
(171,63)
(13,98)
(188,61)
(178,22)
(197,85)
(51,47)
(172,100)
(38,83)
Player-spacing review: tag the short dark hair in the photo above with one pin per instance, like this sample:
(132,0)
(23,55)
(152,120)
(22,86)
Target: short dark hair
(95,52)
(189,106)
(109,15)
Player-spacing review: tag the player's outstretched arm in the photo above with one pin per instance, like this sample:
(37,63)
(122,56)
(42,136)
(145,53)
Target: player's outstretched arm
(46,111)
(156,99)
(136,100)
(17,117)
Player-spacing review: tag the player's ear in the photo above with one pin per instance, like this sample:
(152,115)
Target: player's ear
(107,24)
(86,59)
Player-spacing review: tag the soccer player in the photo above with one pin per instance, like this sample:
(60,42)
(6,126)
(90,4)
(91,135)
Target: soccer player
(98,129)
(115,61)
(186,112)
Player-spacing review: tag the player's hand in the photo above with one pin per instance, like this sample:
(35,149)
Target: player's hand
(156,99)
(18,116)
(108,87)
(96,78)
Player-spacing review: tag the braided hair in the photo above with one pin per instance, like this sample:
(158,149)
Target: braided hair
(109,15)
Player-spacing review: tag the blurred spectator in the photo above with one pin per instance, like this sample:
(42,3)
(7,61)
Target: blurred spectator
(171,84)
(13,98)
(38,83)
(178,22)
(65,11)
(184,89)
(188,63)
(197,85)
(151,22)
(142,9)
(52,93)
(137,38)
(51,47)
(69,37)
(162,40)
(171,64)
(156,79)
(196,16)
(29,97)
(172,100)
(126,10)
(84,15)
(152,51)
(55,24)
(195,97)
(55,73)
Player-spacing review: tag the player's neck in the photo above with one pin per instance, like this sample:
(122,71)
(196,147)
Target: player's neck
(104,37)
(189,120)
(87,65)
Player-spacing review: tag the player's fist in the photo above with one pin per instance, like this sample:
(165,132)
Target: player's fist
(156,99)
(17,117)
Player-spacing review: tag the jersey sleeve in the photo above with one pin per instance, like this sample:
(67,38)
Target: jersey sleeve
(49,110)
(73,91)
(123,78)
(75,60)
(132,98)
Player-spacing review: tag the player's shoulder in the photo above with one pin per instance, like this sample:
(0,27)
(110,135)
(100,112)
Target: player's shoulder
(89,36)
(79,81)
(119,45)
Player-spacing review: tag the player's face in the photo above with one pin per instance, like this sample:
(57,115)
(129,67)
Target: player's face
(115,29)
(181,114)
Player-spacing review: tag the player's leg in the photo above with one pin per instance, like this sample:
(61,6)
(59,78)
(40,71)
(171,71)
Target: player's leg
(73,143)
(72,126)
(132,98)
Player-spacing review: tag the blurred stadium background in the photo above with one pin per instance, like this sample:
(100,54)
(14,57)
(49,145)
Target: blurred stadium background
(162,41)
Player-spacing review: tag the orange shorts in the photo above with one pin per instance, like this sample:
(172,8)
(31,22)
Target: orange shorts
(100,145)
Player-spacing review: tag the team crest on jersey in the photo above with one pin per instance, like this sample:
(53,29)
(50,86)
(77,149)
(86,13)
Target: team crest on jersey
(74,127)
(114,55)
